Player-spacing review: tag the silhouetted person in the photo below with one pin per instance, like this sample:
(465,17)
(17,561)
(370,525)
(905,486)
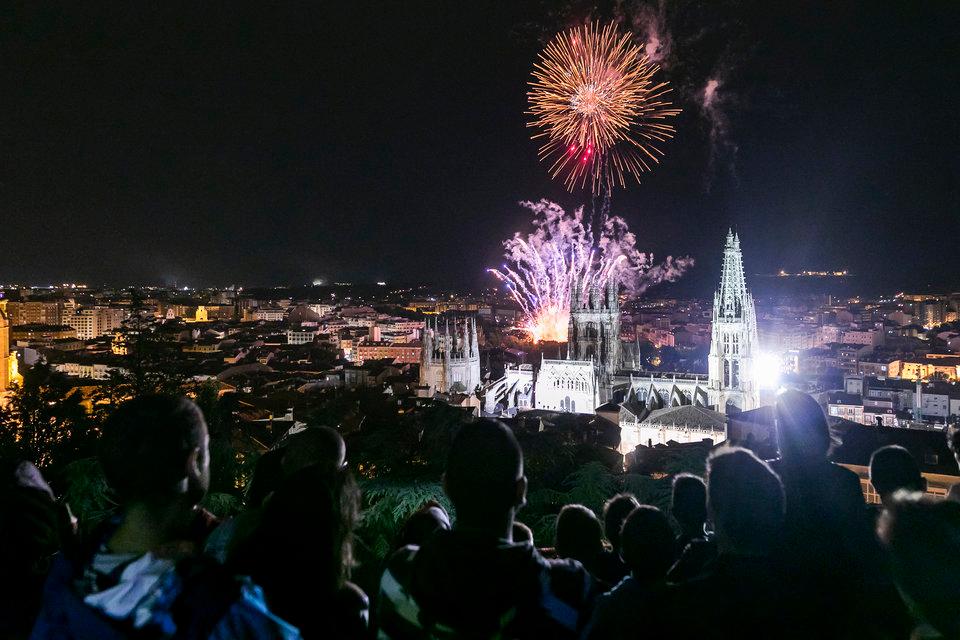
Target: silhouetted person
(579,536)
(923,536)
(474,580)
(688,505)
(144,574)
(744,593)
(322,446)
(636,605)
(300,553)
(423,523)
(893,468)
(612,568)
(34,528)
(313,445)
(830,538)
(953,441)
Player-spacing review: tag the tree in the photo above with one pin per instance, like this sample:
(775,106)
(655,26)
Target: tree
(45,420)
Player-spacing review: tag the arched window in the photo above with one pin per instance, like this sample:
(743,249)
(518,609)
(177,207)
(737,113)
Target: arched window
(726,373)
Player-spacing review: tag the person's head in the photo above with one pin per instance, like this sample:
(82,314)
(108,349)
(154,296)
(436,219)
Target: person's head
(314,445)
(306,529)
(521,532)
(422,523)
(953,441)
(484,477)
(923,537)
(688,503)
(802,431)
(579,534)
(745,501)
(154,452)
(647,541)
(615,511)
(893,468)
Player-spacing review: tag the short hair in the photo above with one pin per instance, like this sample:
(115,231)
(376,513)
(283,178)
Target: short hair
(688,500)
(483,467)
(423,523)
(745,498)
(521,532)
(649,547)
(579,534)
(146,444)
(802,430)
(892,467)
(923,536)
(615,511)
(314,445)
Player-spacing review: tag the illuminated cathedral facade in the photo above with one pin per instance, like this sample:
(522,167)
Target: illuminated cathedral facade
(450,358)
(595,371)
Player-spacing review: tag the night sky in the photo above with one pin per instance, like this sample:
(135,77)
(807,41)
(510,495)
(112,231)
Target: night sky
(211,143)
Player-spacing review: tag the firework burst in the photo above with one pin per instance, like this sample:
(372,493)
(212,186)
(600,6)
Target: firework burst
(594,99)
(542,265)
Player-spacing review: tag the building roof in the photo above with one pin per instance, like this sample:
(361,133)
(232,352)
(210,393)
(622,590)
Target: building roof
(688,415)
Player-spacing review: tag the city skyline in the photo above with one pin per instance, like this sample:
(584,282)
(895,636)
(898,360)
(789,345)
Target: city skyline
(241,154)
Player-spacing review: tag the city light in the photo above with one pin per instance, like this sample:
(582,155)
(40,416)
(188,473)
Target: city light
(767,370)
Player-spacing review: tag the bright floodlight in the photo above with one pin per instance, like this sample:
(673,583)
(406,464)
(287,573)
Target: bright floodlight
(767,369)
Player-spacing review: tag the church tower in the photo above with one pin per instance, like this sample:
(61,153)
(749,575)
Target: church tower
(594,331)
(734,346)
(450,357)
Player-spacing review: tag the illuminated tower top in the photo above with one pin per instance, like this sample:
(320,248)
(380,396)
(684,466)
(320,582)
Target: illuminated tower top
(732,297)
(734,346)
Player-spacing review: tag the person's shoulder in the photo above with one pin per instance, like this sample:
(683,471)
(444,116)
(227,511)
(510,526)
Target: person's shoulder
(401,562)
(847,479)
(843,473)
(568,581)
(398,614)
(352,599)
(213,602)
(248,617)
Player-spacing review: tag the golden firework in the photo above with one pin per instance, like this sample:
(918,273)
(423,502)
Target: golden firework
(594,99)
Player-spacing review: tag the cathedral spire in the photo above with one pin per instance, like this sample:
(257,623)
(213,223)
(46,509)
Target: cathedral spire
(734,344)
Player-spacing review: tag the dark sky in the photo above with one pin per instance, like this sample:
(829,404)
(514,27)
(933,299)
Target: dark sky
(210,143)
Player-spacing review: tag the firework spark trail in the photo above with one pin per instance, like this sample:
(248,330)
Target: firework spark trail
(543,263)
(594,99)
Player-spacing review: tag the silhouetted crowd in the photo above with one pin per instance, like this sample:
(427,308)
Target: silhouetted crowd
(756,549)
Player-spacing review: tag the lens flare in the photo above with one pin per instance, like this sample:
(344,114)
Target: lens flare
(594,100)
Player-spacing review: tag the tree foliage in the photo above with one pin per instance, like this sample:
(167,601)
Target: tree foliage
(45,420)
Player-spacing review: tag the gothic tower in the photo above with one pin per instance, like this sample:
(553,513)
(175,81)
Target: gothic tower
(734,346)
(450,358)
(594,331)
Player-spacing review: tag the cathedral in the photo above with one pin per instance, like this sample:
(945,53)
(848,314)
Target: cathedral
(450,359)
(595,373)
(594,332)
